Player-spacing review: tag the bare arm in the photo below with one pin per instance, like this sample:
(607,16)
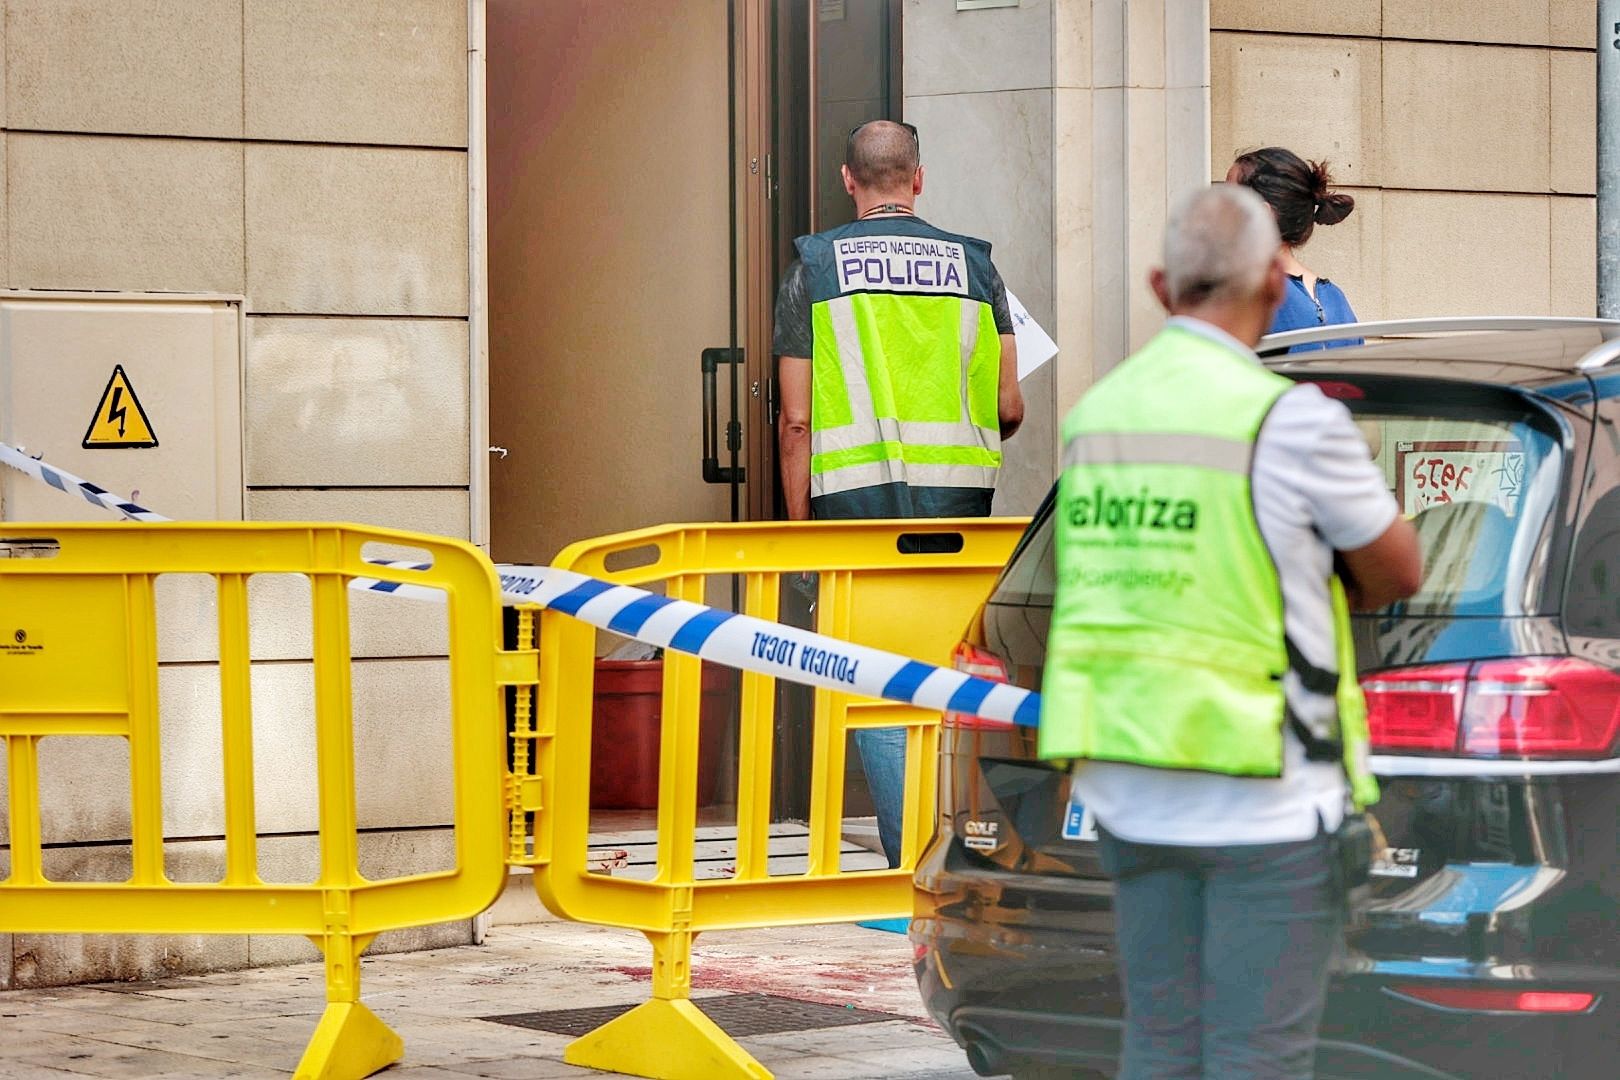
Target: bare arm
(1388,569)
(793,434)
(1009,399)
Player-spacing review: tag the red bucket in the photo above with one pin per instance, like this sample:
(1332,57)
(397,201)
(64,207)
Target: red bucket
(625,731)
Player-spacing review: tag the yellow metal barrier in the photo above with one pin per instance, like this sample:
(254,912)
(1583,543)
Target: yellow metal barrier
(870,592)
(81,626)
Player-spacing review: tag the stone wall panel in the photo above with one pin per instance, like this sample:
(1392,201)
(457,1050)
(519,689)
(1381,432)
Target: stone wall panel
(363,71)
(1465,253)
(336,230)
(91,212)
(1319,97)
(134,67)
(1466,118)
(354,402)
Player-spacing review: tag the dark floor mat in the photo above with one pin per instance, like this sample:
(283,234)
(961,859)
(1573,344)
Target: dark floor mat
(737,1015)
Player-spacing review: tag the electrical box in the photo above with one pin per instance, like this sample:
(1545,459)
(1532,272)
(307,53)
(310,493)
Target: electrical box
(140,394)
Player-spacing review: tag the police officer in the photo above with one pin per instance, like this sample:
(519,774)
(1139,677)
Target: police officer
(1199,663)
(898,378)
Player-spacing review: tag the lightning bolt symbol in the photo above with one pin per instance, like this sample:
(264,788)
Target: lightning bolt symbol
(115,411)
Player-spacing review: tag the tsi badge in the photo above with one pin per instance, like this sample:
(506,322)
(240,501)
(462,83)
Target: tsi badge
(1399,862)
(981,835)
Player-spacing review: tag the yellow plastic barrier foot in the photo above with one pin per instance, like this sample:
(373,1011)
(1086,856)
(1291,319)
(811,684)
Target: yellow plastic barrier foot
(350,1042)
(665,1040)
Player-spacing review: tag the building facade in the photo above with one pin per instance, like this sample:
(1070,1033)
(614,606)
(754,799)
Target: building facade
(437,225)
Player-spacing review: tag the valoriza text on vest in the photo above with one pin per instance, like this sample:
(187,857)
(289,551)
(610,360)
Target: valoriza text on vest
(1105,509)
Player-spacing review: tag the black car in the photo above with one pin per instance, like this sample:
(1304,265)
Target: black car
(1488,942)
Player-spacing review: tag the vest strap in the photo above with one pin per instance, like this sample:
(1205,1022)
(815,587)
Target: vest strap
(1317,680)
(1316,747)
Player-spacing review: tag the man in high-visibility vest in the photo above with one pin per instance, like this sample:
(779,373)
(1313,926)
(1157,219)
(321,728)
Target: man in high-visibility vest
(897,375)
(1199,667)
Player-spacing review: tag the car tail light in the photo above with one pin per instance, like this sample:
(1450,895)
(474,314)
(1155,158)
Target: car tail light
(1541,706)
(1478,999)
(1415,708)
(972,660)
(1534,706)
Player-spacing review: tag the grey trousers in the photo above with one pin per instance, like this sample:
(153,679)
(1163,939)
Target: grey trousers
(1224,955)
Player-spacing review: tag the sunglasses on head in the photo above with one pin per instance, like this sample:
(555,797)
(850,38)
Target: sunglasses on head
(909,127)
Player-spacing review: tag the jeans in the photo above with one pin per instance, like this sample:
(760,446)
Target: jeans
(1224,955)
(883,757)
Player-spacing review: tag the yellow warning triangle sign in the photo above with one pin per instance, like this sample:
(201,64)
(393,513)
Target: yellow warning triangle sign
(119,422)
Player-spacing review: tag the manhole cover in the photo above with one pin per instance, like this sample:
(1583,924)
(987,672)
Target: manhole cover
(738,1014)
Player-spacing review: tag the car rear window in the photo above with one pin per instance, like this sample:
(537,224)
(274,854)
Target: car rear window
(1477,480)
(1031,573)
(1479,486)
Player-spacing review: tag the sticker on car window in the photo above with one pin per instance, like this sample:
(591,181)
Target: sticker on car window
(1438,472)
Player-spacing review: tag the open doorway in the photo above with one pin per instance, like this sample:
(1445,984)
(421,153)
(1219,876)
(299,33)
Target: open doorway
(650,162)
(611,263)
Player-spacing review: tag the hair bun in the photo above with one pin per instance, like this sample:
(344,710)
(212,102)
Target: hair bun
(1333,208)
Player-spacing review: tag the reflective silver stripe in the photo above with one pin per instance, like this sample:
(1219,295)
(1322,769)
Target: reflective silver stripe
(852,362)
(872,474)
(1142,448)
(1396,765)
(909,432)
(970,341)
(853,477)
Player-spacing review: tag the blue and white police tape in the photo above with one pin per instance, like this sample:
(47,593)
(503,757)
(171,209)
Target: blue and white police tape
(726,637)
(69,484)
(753,644)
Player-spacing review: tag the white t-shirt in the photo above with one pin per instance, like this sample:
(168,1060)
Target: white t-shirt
(1316,490)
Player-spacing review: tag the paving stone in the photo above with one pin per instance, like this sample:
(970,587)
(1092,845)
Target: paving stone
(849,1040)
(22,1040)
(461,1042)
(84,1022)
(229,1043)
(819,1067)
(916,1060)
(15,1005)
(168,1011)
(521,1069)
(100,1059)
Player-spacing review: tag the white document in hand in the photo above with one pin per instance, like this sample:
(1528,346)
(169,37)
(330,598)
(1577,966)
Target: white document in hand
(1035,346)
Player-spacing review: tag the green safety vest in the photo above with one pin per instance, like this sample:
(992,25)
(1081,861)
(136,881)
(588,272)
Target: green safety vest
(1167,645)
(905,371)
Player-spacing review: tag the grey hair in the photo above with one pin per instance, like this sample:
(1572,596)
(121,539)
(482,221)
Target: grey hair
(1218,245)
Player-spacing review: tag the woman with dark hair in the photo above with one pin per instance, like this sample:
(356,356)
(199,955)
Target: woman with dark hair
(1297,191)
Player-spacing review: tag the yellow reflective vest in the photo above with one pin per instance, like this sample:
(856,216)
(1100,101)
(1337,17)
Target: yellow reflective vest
(1168,646)
(905,370)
